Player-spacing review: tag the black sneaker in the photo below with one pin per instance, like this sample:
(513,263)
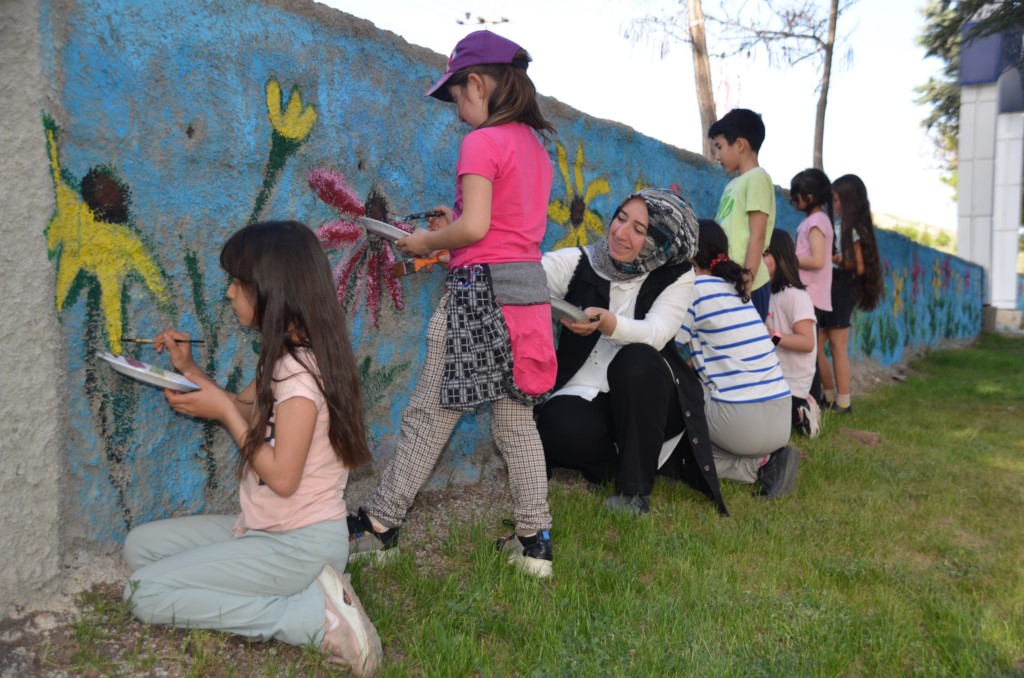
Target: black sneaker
(631,504)
(778,475)
(532,555)
(366,543)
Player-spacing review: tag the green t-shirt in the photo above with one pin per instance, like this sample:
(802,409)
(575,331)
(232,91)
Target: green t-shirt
(752,191)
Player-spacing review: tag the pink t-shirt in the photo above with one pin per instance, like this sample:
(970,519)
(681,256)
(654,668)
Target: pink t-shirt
(788,307)
(321,492)
(818,282)
(512,158)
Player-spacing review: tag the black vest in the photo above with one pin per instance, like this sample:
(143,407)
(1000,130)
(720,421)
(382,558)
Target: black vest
(589,289)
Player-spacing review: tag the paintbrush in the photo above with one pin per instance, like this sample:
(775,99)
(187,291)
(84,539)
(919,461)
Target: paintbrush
(422,215)
(136,340)
(415,265)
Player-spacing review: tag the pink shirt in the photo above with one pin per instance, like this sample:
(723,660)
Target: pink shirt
(512,158)
(818,282)
(321,492)
(789,307)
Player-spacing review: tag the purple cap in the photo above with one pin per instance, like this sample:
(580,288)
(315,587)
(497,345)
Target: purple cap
(476,49)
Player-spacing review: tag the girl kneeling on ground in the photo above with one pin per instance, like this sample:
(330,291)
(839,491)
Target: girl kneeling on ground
(272,571)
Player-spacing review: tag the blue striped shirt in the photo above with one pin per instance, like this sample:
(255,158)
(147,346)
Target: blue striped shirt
(730,346)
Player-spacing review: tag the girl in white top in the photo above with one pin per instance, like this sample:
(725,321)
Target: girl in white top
(792,324)
(267,573)
(747,400)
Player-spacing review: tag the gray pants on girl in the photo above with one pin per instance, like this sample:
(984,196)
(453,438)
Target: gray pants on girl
(744,434)
(192,572)
(426,427)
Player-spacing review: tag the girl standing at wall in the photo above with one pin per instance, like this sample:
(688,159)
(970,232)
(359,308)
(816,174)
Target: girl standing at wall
(857,281)
(495,310)
(272,571)
(811,193)
(791,322)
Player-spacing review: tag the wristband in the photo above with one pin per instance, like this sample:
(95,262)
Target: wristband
(776,338)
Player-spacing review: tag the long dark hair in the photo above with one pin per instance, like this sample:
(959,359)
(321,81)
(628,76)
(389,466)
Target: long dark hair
(787,267)
(713,248)
(285,271)
(514,98)
(813,184)
(856,217)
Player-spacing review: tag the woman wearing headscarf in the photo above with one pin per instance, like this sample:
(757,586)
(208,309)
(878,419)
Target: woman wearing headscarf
(626,406)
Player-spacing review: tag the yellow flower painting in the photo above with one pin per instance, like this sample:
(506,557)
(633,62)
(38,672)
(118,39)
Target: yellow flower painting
(95,240)
(574,212)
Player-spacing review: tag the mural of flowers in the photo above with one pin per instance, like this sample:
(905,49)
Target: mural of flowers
(574,212)
(89,233)
(898,281)
(290,127)
(369,264)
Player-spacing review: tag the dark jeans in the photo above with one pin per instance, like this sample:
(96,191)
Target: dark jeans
(760,298)
(617,435)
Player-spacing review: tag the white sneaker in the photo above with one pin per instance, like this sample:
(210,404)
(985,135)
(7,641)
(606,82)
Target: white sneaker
(349,636)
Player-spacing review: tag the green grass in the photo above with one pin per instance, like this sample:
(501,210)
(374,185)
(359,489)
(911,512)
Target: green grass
(900,559)
(903,558)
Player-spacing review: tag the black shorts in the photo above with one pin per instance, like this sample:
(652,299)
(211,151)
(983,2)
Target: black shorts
(842,303)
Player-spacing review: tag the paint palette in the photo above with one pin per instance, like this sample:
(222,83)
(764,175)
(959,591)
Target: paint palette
(148,374)
(560,308)
(384,230)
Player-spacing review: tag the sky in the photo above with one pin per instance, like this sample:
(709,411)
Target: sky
(581,57)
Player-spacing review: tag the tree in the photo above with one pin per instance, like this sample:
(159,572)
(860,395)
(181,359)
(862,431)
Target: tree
(791,33)
(692,17)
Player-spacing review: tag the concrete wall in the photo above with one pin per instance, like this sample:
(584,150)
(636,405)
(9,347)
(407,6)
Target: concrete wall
(33,381)
(147,132)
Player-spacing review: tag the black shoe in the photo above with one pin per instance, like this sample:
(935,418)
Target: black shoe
(532,555)
(365,542)
(778,475)
(836,408)
(632,504)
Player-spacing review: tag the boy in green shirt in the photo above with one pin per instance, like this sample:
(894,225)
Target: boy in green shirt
(747,210)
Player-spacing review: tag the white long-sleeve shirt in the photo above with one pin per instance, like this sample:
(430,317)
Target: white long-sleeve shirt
(656,329)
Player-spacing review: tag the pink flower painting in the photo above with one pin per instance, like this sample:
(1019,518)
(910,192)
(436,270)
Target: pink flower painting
(366,269)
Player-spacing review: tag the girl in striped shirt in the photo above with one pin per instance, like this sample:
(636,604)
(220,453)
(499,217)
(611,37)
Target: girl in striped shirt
(746,398)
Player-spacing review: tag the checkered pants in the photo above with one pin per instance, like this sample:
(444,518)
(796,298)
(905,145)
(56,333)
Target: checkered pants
(426,427)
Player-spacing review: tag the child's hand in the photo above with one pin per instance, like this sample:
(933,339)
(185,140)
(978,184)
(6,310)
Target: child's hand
(837,259)
(209,402)
(416,243)
(179,353)
(437,223)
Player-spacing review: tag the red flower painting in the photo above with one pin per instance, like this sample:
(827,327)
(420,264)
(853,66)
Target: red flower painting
(366,270)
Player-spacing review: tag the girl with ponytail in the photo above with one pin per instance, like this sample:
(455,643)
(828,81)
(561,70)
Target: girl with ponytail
(746,398)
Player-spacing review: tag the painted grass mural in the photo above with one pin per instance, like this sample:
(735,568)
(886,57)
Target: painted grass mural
(283,119)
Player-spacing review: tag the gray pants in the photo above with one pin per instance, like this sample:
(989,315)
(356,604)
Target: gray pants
(192,572)
(743,434)
(426,427)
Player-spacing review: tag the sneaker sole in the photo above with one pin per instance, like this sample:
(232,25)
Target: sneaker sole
(374,557)
(535,567)
(369,649)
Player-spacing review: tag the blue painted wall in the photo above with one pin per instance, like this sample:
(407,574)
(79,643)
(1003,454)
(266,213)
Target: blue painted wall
(204,115)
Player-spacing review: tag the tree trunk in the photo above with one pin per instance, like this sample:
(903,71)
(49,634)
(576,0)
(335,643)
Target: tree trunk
(826,72)
(702,73)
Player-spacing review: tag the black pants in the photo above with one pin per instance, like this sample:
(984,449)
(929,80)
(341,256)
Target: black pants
(617,435)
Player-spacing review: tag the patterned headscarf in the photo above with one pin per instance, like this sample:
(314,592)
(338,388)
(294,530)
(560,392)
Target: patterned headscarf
(671,236)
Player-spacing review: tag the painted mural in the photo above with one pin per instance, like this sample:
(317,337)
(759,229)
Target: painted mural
(290,123)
